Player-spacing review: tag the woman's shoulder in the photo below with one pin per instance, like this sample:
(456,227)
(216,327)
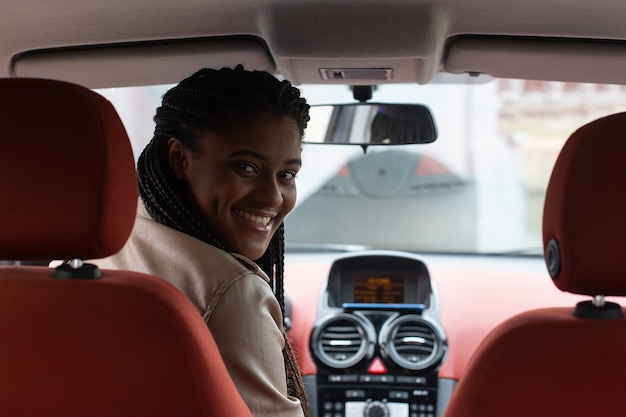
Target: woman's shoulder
(199,270)
(160,244)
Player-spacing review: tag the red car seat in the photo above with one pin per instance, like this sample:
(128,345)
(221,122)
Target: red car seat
(76,340)
(566,361)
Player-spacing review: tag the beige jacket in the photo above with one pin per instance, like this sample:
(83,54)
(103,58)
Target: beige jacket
(233,296)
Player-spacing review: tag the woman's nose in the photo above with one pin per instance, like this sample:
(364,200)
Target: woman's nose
(269,192)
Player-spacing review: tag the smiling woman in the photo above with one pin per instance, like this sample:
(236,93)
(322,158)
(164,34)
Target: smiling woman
(216,182)
(243,185)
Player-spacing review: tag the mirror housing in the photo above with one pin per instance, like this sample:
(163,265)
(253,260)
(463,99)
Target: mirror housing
(368,124)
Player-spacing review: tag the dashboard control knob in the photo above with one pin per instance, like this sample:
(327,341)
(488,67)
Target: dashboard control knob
(376,409)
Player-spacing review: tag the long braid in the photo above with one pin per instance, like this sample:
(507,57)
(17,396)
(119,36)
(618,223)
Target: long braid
(294,379)
(274,265)
(275,260)
(215,101)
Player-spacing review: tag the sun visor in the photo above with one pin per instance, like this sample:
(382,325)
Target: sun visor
(148,63)
(547,59)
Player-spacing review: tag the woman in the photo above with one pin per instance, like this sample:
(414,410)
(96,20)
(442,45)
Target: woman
(216,182)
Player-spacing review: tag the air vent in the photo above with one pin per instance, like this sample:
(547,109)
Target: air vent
(343,340)
(412,342)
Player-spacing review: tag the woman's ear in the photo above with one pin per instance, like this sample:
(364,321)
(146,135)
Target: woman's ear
(177,158)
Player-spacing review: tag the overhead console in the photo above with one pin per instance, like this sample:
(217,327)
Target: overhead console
(378,340)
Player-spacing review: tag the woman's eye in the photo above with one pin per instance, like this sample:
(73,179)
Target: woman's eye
(288,175)
(247,168)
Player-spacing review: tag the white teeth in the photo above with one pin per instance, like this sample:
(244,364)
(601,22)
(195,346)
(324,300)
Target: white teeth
(260,220)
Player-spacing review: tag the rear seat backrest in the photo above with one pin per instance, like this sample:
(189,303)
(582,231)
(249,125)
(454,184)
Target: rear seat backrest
(566,361)
(79,341)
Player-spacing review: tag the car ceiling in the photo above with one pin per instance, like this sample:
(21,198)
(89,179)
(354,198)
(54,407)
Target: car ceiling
(105,43)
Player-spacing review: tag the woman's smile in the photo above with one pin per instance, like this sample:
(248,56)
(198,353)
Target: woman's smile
(260,220)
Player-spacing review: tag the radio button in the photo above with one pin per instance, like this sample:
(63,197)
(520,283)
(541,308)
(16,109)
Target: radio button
(355,393)
(343,378)
(398,395)
(413,380)
(385,379)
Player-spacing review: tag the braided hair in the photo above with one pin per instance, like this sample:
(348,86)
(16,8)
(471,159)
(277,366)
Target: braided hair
(218,101)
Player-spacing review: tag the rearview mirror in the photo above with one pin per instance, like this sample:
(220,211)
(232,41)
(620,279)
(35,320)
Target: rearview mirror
(371,124)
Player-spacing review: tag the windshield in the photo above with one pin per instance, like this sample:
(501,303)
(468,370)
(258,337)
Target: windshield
(479,188)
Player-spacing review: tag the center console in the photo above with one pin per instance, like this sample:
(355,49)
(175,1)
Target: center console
(378,341)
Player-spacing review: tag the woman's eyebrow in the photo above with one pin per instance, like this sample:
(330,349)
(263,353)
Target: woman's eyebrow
(253,154)
(245,152)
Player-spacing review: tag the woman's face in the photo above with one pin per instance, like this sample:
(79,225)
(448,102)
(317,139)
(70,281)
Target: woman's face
(243,182)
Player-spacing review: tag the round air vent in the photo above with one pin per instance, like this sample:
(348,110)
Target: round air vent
(343,340)
(413,342)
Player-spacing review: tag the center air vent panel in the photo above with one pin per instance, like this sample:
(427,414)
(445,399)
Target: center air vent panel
(343,340)
(412,342)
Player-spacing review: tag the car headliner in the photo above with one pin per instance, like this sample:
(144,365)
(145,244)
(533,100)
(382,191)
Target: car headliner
(103,43)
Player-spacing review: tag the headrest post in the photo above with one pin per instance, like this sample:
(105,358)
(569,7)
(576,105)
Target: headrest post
(75,263)
(599,301)
(598,309)
(76,269)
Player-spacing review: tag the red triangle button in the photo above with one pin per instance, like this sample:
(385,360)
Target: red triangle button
(377,367)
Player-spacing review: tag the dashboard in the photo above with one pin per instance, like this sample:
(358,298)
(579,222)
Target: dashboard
(389,334)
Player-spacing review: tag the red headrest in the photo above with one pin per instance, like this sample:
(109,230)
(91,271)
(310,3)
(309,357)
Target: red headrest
(584,219)
(67,173)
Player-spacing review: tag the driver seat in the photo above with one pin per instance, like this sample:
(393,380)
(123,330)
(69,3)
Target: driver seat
(566,361)
(76,340)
